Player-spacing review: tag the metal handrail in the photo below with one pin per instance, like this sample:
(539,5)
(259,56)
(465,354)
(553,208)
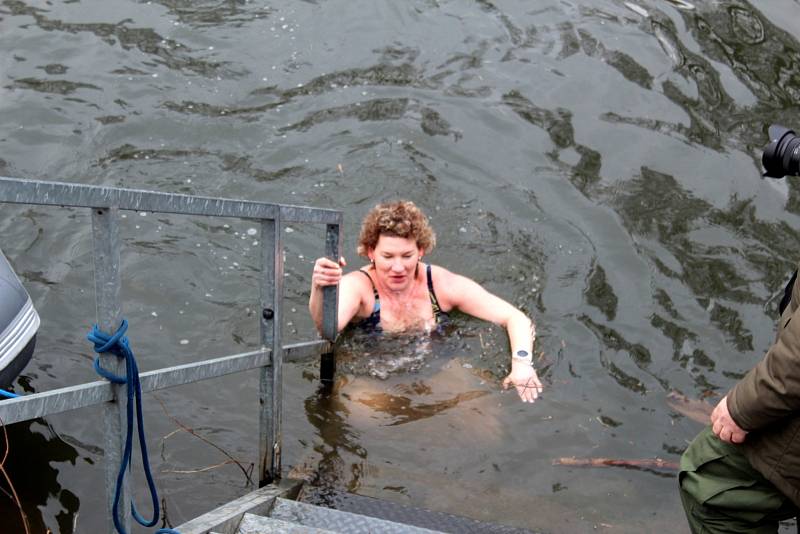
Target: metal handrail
(19,191)
(105,203)
(61,400)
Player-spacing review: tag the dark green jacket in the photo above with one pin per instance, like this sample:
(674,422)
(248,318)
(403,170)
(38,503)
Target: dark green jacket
(766,403)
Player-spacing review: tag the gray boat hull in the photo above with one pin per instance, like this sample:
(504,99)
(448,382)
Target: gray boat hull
(19,323)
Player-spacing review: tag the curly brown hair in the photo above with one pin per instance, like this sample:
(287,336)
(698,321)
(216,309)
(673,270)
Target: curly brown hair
(399,219)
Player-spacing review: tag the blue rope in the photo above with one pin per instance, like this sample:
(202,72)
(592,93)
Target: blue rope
(8,394)
(117,344)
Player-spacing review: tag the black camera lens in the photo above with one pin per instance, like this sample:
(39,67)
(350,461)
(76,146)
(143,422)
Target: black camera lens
(781,156)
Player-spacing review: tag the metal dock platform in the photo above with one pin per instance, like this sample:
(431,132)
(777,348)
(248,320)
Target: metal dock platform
(285,509)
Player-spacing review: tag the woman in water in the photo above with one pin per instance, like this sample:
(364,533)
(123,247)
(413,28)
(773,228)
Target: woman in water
(395,292)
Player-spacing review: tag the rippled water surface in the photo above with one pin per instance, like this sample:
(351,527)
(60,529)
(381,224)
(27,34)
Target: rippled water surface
(594,162)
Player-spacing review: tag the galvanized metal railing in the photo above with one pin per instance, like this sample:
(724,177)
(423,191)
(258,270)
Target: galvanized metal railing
(106,203)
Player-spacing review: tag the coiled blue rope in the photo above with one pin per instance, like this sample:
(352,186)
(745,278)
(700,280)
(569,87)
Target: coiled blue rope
(117,344)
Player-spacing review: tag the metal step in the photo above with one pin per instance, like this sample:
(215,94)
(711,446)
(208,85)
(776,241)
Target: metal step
(401,513)
(336,520)
(256,524)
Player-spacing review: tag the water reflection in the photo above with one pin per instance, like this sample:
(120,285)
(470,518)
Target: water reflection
(328,413)
(656,205)
(393,380)
(558,125)
(233,13)
(401,409)
(33,446)
(163,51)
(761,56)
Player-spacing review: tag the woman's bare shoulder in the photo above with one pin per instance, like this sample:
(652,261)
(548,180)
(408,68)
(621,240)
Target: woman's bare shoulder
(359,278)
(446,283)
(358,287)
(442,275)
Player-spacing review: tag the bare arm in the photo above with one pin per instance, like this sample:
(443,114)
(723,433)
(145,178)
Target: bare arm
(329,273)
(470,297)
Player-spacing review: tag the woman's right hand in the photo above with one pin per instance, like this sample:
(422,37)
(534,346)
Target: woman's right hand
(327,272)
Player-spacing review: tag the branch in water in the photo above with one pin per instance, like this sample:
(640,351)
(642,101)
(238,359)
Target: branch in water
(198,470)
(191,431)
(643,463)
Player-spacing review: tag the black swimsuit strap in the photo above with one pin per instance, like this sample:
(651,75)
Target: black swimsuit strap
(373,322)
(371,281)
(437,310)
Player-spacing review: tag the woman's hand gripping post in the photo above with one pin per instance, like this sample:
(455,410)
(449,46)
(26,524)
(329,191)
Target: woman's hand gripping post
(326,273)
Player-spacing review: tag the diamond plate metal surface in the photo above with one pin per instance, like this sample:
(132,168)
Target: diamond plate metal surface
(339,521)
(401,513)
(256,524)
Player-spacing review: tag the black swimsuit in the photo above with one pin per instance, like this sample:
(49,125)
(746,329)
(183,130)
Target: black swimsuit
(373,321)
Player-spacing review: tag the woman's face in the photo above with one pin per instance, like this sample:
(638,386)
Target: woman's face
(396,261)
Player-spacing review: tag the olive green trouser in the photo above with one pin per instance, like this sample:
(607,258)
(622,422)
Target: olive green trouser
(721,492)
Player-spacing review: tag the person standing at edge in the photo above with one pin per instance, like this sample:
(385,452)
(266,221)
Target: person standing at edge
(396,292)
(742,473)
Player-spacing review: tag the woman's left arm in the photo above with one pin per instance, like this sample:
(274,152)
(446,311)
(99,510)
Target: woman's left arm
(470,297)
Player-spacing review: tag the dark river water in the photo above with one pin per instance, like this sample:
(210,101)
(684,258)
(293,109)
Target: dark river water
(597,163)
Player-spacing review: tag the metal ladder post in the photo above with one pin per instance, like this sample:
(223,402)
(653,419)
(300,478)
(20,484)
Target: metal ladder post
(106,246)
(330,304)
(270,390)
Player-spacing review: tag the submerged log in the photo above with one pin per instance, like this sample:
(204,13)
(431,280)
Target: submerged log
(640,463)
(695,409)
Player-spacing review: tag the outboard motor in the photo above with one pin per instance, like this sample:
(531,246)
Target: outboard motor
(19,323)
